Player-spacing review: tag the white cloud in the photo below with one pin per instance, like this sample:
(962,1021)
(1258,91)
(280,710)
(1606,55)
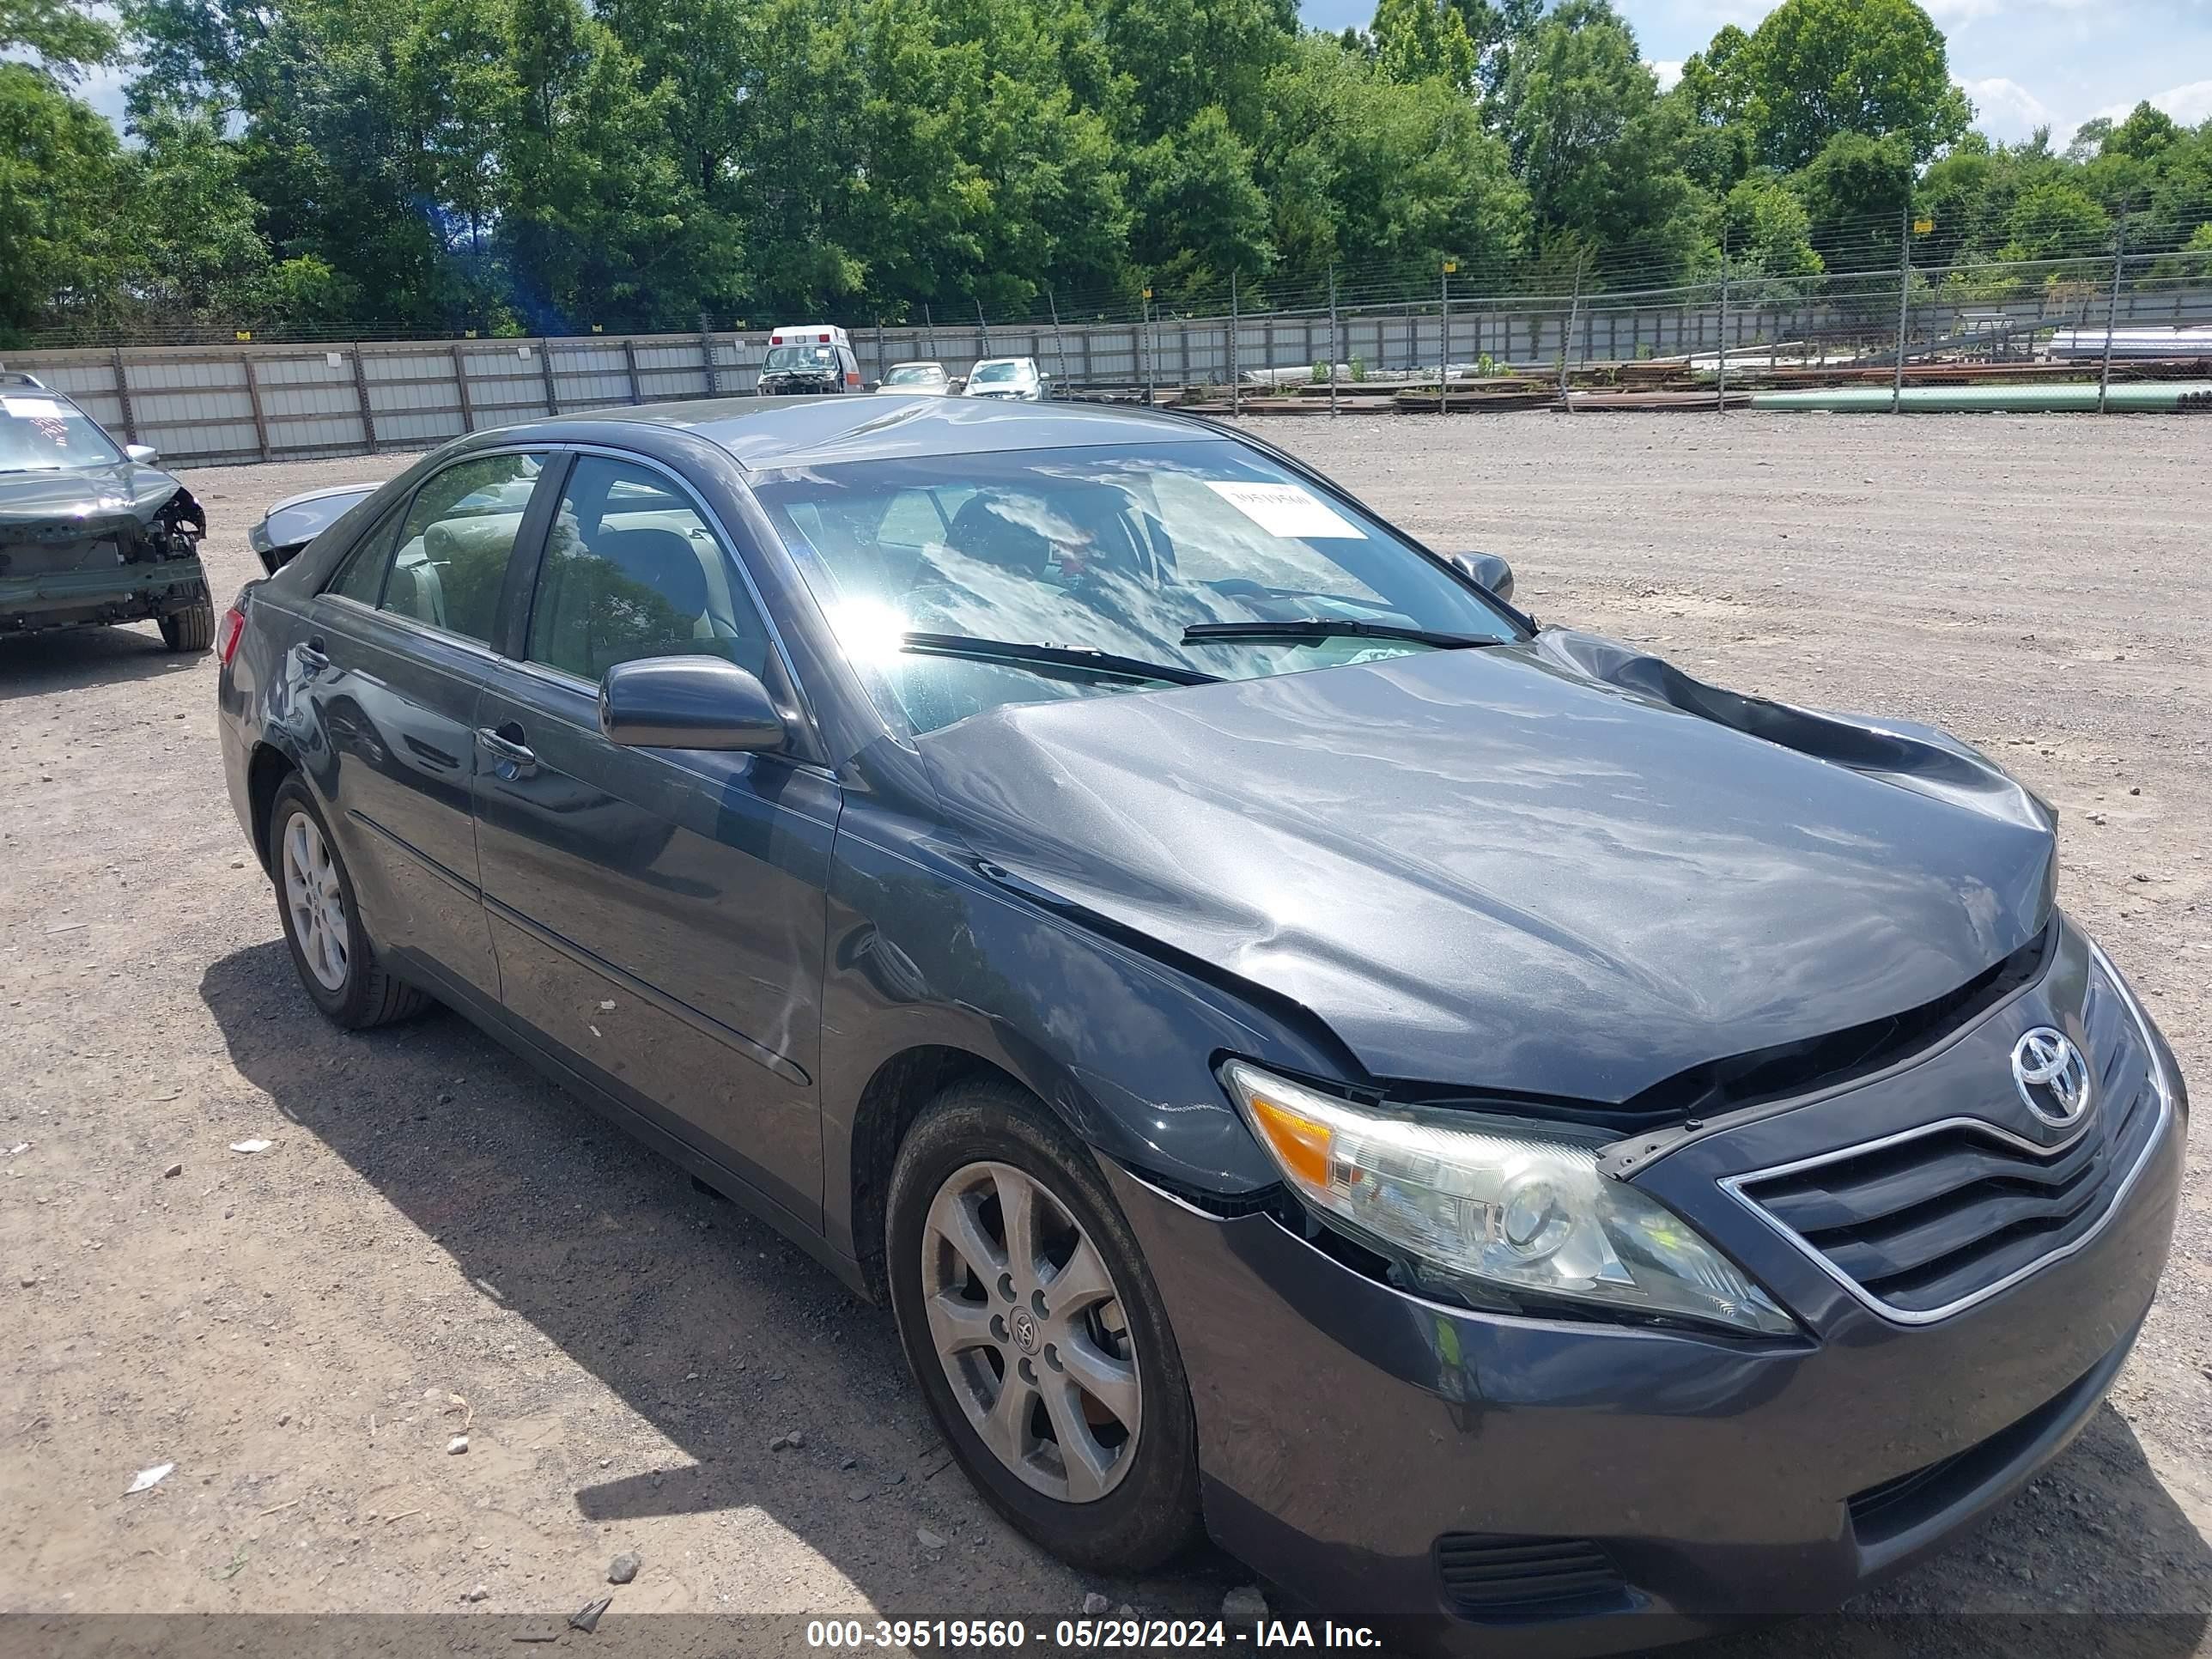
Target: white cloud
(2007,110)
(1950,12)
(1668,69)
(2188,104)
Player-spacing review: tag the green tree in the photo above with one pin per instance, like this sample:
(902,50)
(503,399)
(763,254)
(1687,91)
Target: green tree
(598,219)
(1497,29)
(1421,40)
(700,55)
(195,226)
(1595,144)
(1769,232)
(1355,165)
(61,36)
(1186,56)
(1197,197)
(2055,220)
(1815,69)
(63,195)
(1856,192)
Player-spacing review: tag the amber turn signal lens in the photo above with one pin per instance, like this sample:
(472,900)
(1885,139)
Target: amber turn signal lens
(1301,1144)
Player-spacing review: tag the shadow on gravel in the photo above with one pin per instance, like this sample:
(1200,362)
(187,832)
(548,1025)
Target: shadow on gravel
(719,1334)
(705,1322)
(38,664)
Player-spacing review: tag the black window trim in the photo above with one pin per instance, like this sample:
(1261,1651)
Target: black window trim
(804,744)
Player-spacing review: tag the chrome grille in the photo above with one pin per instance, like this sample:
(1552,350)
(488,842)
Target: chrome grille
(1923,1223)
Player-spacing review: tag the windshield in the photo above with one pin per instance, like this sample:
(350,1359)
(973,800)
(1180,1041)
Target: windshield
(1117,551)
(914,374)
(992,374)
(39,433)
(801,356)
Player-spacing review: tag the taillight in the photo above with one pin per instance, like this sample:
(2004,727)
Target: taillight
(230,630)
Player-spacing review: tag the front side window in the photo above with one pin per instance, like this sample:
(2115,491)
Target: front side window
(632,570)
(1198,560)
(454,544)
(41,433)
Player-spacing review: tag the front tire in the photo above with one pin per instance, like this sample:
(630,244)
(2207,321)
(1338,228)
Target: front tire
(191,628)
(336,965)
(1036,1333)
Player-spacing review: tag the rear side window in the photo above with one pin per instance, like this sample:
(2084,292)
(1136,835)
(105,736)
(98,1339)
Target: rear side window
(454,543)
(361,578)
(632,570)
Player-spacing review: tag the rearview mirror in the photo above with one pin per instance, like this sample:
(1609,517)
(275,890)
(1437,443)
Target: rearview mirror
(144,455)
(686,702)
(1491,571)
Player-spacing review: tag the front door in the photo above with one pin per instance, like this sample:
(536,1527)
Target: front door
(658,913)
(391,668)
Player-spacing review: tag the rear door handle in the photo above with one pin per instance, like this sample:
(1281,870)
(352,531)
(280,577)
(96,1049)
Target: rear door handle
(504,743)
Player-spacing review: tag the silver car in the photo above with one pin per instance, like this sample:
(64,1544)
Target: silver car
(926,379)
(1015,379)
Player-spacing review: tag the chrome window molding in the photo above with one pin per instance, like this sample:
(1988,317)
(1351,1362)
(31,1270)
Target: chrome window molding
(2156,1076)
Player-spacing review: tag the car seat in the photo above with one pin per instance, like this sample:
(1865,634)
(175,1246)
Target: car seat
(982,530)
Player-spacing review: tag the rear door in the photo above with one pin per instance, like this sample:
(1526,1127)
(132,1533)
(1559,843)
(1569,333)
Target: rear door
(397,649)
(658,914)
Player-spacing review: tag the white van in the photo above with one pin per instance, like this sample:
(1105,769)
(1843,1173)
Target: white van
(808,359)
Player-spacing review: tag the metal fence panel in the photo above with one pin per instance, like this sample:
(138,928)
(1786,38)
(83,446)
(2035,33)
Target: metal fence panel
(204,404)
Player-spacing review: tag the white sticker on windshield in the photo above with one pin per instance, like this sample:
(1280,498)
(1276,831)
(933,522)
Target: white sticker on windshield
(32,409)
(1287,510)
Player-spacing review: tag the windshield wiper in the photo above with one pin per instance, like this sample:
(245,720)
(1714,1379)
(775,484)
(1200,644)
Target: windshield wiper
(1318,629)
(1049,659)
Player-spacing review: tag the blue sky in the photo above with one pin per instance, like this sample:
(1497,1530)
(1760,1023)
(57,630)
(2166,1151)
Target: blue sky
(2024,63)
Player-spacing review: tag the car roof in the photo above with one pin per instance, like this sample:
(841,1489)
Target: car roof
(776,432)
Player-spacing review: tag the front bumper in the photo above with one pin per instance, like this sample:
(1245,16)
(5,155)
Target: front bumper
(100,594)
(1345,1428)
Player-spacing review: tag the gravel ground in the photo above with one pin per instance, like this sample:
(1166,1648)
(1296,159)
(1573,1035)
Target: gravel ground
(436,1242)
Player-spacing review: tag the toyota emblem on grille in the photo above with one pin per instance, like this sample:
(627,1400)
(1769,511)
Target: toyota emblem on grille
(2052,1078)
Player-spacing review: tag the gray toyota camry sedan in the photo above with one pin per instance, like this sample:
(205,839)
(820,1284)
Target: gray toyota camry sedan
(1520,1144)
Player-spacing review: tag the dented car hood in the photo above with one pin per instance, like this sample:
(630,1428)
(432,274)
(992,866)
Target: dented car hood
(82,500)
(1558,868)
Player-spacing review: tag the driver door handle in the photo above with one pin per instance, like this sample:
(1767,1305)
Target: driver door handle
(504,743)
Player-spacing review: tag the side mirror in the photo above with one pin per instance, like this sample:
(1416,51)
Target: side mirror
(1487,569)
(686,702)
(875,385)
(144,455)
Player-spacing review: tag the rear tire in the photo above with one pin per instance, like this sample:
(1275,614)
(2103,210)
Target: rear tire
(1075,1311)
(336,964)
(191,628)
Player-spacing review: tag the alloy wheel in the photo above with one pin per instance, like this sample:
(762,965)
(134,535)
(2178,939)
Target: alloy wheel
(1028,1324)
(315,901)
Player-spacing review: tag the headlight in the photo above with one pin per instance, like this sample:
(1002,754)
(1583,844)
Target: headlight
(1485,1211)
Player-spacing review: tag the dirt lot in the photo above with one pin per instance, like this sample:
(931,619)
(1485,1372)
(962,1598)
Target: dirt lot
(290,1329)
